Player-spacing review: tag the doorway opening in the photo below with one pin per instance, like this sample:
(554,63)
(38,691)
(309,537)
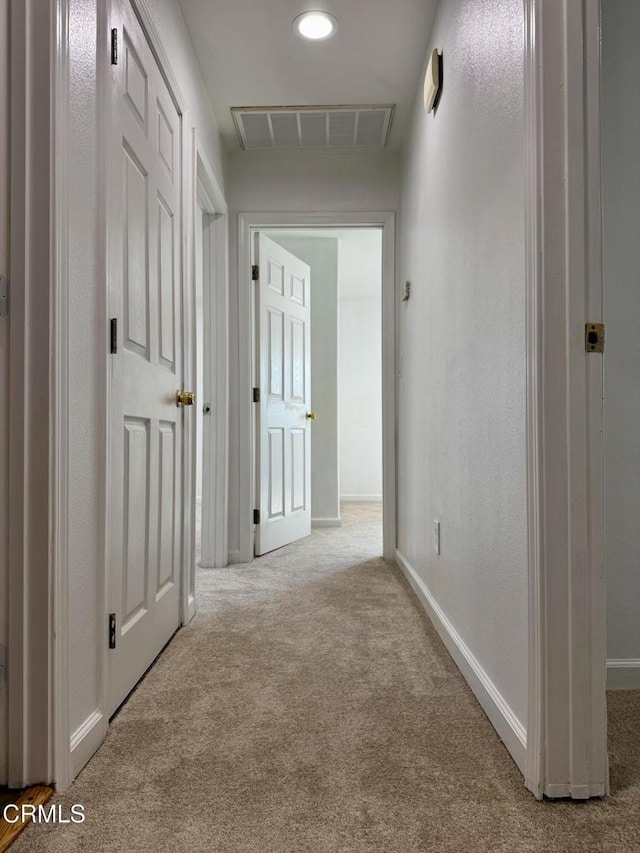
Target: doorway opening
(254,339)
(343,409)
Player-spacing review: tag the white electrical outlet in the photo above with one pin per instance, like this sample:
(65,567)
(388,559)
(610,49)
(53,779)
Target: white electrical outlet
(436,537)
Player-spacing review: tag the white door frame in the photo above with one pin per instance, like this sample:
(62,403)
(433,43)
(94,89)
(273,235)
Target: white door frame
(4,378)
(248,222)
(566,732)
(36,363)
(207,192)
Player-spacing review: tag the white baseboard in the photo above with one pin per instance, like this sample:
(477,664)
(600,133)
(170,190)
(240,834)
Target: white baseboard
(360,498)
(503,719)
(562,790)
(191,608)
(326,522)
(85,741)
(623,674)
(235,557)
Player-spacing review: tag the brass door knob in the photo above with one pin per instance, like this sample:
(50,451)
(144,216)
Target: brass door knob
(185,398)
(311,416)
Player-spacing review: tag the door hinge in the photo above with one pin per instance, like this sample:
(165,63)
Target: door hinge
(114,46)
(113,335)
(4,297)
(255,272)
(112,630)
(256,516)
(256,395)
(594,337)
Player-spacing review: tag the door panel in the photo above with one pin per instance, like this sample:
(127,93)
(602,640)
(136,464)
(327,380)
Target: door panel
(283,430)
(275,344)
(136,81)
(276,473)
(136,513)
(298,468)
(136,271)
(146,425)
(167,508)
(297,290)
(165,139)
(276,277)
(298,357)
(166,320)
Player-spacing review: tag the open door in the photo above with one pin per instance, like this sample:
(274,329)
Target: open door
(283,417)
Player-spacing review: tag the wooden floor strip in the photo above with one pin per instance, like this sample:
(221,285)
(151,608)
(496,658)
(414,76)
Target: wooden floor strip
(37,795)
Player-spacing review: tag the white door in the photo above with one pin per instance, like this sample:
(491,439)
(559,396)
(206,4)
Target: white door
(146,369)
(284,418)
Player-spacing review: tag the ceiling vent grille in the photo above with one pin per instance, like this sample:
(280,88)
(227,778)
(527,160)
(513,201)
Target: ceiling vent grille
(313,127)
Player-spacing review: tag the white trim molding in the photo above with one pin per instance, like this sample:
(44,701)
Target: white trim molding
(326,522)
(361,498)
(623,674)
(33,390)
(215,502)
(248,222)
(566,753)
(504,720)
(84,742)
(60,390)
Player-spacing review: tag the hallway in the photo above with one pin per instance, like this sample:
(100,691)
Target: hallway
(310,706)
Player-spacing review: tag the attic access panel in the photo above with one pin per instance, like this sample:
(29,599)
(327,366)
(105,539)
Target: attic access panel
(313,127)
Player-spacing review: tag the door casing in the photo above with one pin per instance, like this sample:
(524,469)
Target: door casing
(37,355)
(209,197)
(566,726)
(247,224)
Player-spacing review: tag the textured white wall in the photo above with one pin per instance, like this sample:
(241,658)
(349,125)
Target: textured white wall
(621,221)
(4,363)
(360,365)
(321,253)
(296,181)
(87,316)
(461,395)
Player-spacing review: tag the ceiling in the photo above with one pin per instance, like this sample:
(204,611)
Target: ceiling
(250,56)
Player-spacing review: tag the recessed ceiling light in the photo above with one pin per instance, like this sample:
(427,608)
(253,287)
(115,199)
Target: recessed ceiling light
(315,25)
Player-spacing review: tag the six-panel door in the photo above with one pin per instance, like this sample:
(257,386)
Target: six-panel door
(145,297)
(284,431)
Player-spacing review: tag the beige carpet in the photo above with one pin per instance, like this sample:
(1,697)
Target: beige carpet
(311,707)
